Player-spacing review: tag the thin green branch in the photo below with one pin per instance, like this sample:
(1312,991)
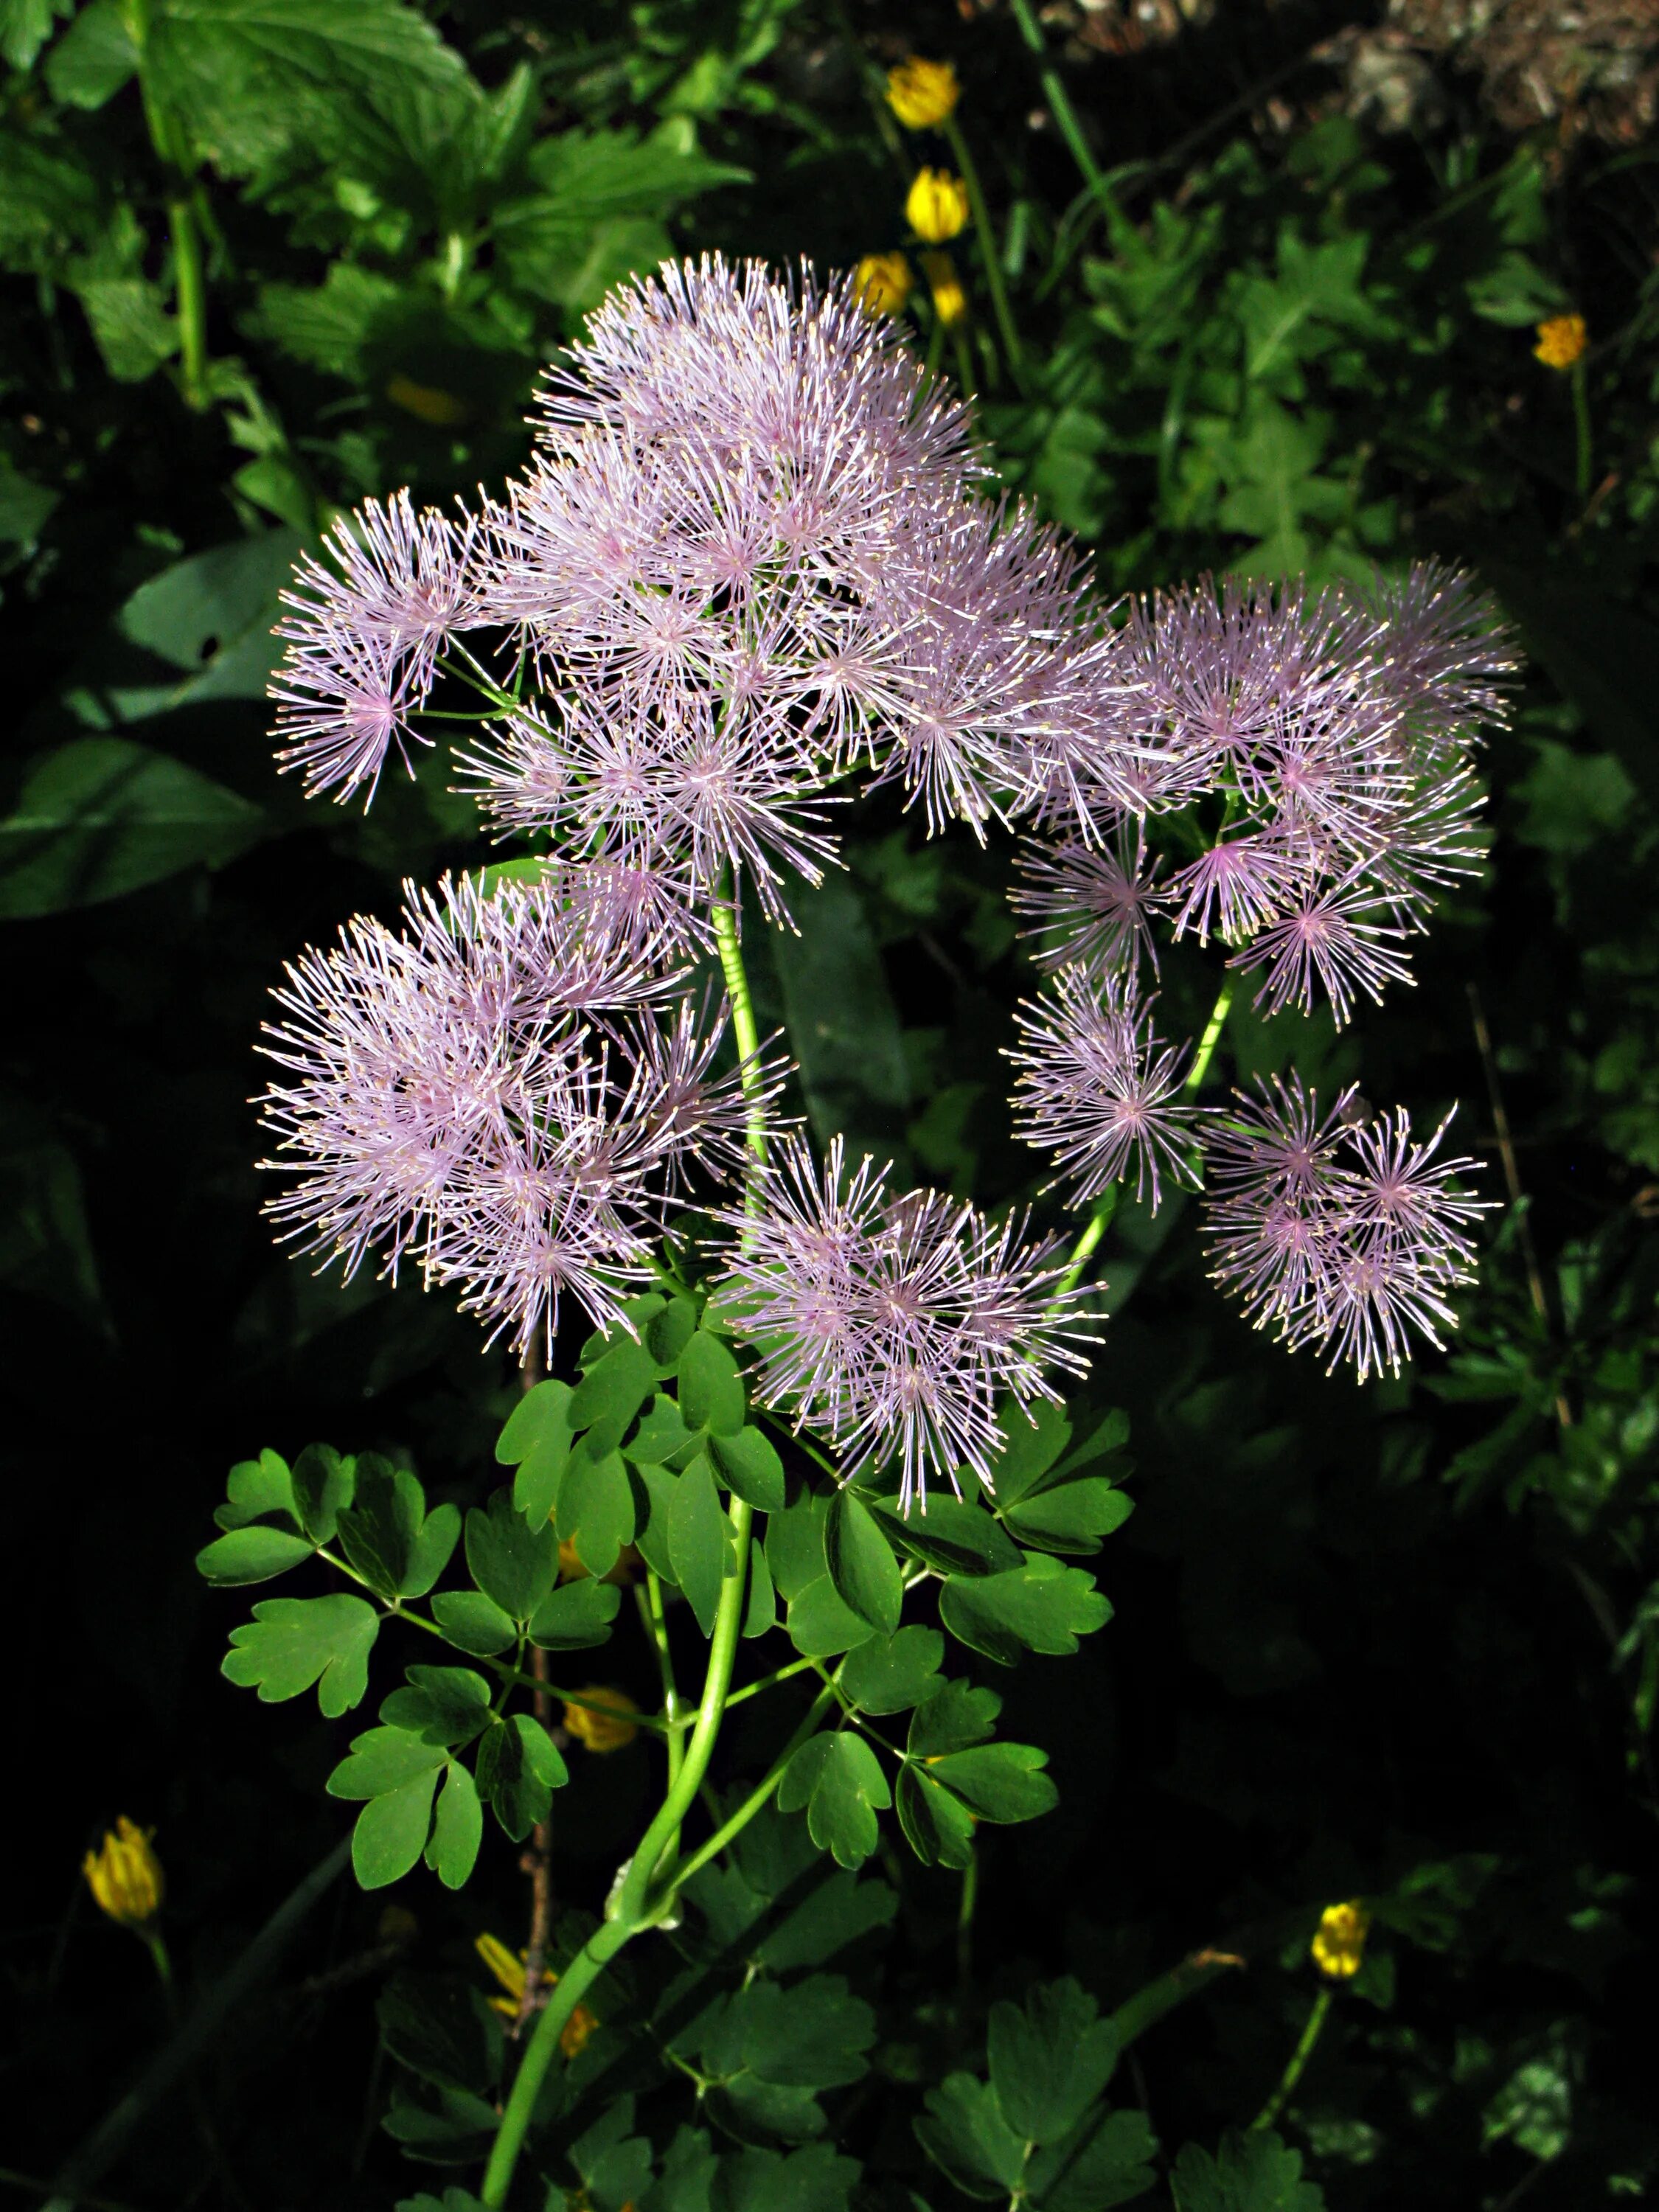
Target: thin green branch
(1296,2060)
(989,251)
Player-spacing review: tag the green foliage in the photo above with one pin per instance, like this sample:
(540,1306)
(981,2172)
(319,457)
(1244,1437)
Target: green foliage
(1249,2174)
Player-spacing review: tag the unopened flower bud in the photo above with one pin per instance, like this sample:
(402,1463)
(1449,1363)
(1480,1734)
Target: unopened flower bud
(602,1731)
(937,208)
(1338,1943)
(922,94)
(950,300)
(1561,341)
(125,1876)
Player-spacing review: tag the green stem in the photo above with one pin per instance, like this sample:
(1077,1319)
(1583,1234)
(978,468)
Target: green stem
(1298,2059)
(758,1795)
(964,360)
(654,1620)
(172,151)
(1582,422)
(742,1011)
(769,1681)
(988,250)
(1211,1038)
(1058,101)
(1148,2005)
(935,345)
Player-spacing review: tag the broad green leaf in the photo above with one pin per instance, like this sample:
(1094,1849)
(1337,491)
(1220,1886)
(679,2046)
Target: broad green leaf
(209,615)
(748,1464)
(666,1334)
(611,1392)
(292,1642)
(575,1615)
(101,817)
(1254,2171)
(25,27)
(653,1496)
(662,1438)
(255,1487)
(891,1674)
(474,1622)
(1000,1782)
(1106,2160)
(814,2178)
(1105,1440)
(322,1483)
(840,1782)
(952,1536)
(843,1025)
(967,2137)
(382,1760)
(1033,1438)
(1049,2059)
(391,1830)
(710,1387)
(251,1555)
(867,1576)
(596,1507)
(820,1624)
(953,1717)
(398,1548)
(937,1826)
(536,1441)
(519,1770)
(760,1612)
(794,1545)
(812,2035)
(457,1828)
(512,1565)
(688,2168)
(1040,1607)
(445,1705)
(1070,1516)
(95,57)
(699,1541)
(441,2029)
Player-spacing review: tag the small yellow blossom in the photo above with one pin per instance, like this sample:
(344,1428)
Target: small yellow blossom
(125,1876)
(1561,341)
(950,300)
(509,1971)
(937,208)
(605,1731)
(1339,1942)
(573,1569)
(881,283)
(922,94)
(425,403)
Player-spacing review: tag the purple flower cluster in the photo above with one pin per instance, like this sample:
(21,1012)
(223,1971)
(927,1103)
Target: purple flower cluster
(1339,1231)
(495,1093)
(891,1325)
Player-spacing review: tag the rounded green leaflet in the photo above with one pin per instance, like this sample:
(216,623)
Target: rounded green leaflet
(937,1826)
(519,1770)
(391,1830)
(292,1642)
(699,1541)
(254,1554)
(473,1622)
(322,1483)
(611,1392)
(1040,1606)
(838,1780)
(597,1509)
(867,1576)
(891,1674)
(457,1828)
(537,1440)
(511,1563)
(710,1389)
(748,1463)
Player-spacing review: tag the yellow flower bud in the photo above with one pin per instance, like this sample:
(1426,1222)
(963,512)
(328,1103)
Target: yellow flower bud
(125,1876)
(510,1973)
(1338,1943)
(922,94)
(950,300)
(602,1731)
(937,208)
(1561,341)
(881,283)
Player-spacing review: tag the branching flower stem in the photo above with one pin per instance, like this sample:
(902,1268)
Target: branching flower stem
(1106,1204)
(647,1885)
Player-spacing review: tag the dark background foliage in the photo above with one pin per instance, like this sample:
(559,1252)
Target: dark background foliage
(1403,1640)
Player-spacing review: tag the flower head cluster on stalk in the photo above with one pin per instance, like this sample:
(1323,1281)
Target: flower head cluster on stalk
(752,558)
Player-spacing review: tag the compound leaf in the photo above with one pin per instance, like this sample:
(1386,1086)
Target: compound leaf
(292,1642)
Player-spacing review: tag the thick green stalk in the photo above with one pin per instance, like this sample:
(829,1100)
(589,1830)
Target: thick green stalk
(989,251)
(1211,1038)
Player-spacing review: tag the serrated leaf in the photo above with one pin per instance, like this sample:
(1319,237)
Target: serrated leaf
(576,1616)
(891,1674)
(292,1643)
(748,1464)
(254,1554)
(596,1509)
(391,1830)
(1049,2059)
(699,1541)
(457,1828)
(322,1483)
(840,1782)
(519,1770)
(383,1760)
(441,2028)
(1000,1782)
(1106,2160)
(952,1536)
(1254,2171)
(474,1622)
(937,1826)
(865,1575)
(1041,1606)
(445,1705)
(710,1387)
(536,1441)
(512,1563)
(968,2139)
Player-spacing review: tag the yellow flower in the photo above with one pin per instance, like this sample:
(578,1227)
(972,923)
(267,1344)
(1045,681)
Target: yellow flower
(937,208)
(950,300)
(605,1731)
(1561,341)
(881,283)
(1339,1942)
(922,94)
(125,1876)
(509,1971)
